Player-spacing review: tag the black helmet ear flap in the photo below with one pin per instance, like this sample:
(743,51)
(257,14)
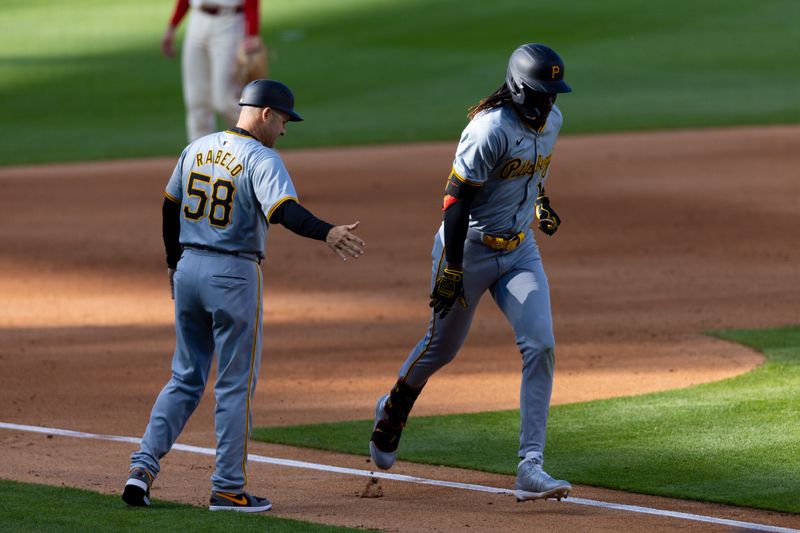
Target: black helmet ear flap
(517,94)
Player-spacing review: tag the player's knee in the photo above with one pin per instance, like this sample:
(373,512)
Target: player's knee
(191,384)
(542,344)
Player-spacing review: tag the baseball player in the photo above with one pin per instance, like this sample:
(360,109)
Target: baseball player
(485,242)
(216,30)
(225,192)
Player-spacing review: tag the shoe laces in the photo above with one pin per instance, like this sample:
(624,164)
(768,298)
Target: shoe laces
(532,462)
(143,474)
(532,467)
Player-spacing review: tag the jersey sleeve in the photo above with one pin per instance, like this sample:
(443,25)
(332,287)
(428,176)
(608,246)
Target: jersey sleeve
(556,118)
(251,17)
(480,148)
(174,190)
(555,121)
(181,7)
(272,185)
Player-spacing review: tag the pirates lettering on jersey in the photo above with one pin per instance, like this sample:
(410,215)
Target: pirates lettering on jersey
(516,167)
(222,158)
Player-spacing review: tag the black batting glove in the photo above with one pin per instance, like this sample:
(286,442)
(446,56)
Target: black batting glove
(449,288)
(548,219)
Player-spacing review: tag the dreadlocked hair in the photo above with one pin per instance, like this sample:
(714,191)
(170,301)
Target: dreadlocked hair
(499,97)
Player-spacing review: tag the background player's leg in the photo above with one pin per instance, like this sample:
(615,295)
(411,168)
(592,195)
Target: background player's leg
(225,89)
(190,366)
(196,74)
(523,294)
(236,301)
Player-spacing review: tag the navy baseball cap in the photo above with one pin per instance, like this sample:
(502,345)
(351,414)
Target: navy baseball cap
(270,93)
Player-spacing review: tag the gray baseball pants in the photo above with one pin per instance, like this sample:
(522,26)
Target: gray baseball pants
(218,306)
(518,284)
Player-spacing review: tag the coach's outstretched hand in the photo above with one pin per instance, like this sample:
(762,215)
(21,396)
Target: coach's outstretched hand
(345,243)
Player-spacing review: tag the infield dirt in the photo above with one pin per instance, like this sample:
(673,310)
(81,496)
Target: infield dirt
(664,235)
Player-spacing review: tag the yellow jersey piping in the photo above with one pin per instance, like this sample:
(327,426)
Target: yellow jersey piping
(239,134)
(433,327)
(464,180)
(253,354)
(277,204)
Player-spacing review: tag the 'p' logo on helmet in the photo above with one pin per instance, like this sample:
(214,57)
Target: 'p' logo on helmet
(555,70)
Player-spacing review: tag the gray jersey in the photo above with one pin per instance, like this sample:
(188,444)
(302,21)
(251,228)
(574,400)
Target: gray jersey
(508,159)
(226,184)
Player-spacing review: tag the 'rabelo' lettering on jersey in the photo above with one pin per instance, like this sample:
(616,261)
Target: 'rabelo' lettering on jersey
(222,158)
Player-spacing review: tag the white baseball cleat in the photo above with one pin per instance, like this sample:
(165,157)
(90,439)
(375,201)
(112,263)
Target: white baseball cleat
(533,483)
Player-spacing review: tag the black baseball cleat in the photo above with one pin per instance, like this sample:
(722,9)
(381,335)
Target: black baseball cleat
(137,488)
(385,437)
(241,502)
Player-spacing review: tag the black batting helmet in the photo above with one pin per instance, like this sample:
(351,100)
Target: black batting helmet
(537,67)
(270,93)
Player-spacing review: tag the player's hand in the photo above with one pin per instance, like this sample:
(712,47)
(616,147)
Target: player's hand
(449,288)
(171,274)
(168,42)
(344,243)
(548,219)
(251,43)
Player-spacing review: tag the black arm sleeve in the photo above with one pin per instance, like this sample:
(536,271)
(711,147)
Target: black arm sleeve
(456,220)
(171,230)
(300,220)
(456,223)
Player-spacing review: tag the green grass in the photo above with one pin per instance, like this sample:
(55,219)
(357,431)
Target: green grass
(30,507)
(735,441)
(92,84)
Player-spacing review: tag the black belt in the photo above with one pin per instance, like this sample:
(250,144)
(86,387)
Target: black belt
(244,255)
(216,10)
